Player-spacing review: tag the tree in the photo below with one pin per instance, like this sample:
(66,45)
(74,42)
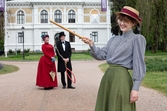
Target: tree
(154,23)
(2,33)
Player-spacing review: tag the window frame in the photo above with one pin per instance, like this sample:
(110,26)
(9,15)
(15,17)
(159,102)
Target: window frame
(44,16)
(58,16)
(71,16)
(94,36)
(71,37)
(20,17)
(20,37)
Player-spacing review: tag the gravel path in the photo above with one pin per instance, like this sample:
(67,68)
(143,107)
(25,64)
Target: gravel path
(19,93)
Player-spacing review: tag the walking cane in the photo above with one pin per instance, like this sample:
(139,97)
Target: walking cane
(80,37)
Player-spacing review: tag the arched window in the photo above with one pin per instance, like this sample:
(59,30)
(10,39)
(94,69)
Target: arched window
(20,17)
(94,16)
(71,16)
(58,16)
(44,16)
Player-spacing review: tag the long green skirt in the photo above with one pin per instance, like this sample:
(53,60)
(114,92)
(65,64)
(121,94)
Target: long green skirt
(114,90)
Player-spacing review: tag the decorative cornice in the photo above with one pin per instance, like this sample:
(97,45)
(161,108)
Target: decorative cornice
(56,3)
(52,3)
(20,4)
(32,4)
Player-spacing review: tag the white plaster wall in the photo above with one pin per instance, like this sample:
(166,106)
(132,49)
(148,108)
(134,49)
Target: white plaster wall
(13,40)
(33,31)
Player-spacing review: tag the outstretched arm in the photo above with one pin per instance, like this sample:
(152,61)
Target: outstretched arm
(97,53)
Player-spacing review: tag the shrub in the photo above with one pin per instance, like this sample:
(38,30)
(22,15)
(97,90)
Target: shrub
(18,51)
(1,45)
(10,51)
(156,65)
(26,50)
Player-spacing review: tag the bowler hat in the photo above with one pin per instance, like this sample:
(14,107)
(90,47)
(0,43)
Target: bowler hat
(131,12)
(61,34)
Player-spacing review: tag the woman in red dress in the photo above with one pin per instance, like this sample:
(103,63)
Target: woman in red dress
(46,65)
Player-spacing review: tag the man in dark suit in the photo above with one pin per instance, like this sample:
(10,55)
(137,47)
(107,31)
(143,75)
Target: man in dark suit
(64,59)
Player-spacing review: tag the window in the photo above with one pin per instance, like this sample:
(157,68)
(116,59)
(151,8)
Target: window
(43,33)
(94,36)
(71,16)
(58,16)
(20,37)
(20,17)
(94,16)
(44,16)
(71,37)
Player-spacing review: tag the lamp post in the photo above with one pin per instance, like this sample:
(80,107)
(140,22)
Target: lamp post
(22,28)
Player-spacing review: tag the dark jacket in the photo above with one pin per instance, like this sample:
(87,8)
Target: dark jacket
(66,54)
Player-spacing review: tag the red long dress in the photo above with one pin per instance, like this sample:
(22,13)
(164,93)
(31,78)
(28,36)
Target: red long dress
(45,65)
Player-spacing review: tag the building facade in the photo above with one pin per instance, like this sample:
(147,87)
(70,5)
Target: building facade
(84,17)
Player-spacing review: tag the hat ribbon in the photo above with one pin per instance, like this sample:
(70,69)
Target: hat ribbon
(130,13)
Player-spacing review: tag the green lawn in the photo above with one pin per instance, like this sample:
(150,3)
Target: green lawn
(159,53)
(156,80)
(81,57)
(36,57)
(8,69)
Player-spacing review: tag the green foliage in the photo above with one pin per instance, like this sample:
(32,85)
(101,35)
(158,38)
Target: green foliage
(154,21)
(156,65)
(18,51)
(10,51)
(1,45)
(2,31)
(26,50)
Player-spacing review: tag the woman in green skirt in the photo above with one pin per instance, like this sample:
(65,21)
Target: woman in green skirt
(118,91)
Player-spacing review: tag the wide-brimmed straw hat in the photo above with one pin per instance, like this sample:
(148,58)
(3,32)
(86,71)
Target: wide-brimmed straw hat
(129,11)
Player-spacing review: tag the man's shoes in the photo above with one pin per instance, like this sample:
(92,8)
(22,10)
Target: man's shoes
(71,87)
(63,87)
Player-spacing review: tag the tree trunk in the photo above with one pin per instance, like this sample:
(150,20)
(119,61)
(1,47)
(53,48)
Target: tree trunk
(165,46)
